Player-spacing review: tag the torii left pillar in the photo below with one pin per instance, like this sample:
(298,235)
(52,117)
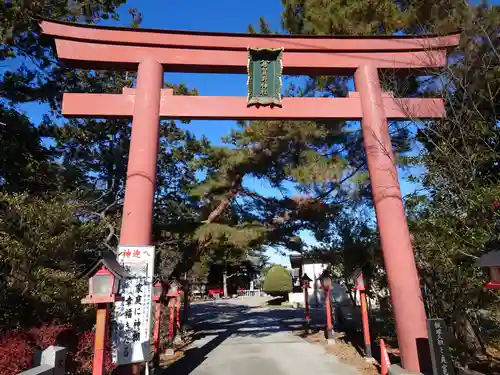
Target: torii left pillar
(140,185)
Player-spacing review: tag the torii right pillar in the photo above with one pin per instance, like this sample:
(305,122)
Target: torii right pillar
(402,277)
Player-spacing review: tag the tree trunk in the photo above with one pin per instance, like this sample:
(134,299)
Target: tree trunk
(224,283)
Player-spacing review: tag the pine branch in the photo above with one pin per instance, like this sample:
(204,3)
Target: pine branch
(102,216)
(340,182)
(236,186)
(218,211)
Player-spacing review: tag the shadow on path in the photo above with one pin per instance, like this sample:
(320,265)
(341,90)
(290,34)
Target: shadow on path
(216,322)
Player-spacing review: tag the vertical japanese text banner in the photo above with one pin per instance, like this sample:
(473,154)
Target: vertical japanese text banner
(131,323)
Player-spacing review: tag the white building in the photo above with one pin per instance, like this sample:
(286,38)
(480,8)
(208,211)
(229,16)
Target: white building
(313,268)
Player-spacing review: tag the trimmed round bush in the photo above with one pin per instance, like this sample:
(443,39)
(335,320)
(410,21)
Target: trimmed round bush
(278,281)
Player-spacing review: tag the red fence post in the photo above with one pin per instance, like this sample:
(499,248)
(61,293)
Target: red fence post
(156,334)
(101,336)
(366,324)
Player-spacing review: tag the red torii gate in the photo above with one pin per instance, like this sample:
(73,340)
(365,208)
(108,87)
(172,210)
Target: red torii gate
(153,52)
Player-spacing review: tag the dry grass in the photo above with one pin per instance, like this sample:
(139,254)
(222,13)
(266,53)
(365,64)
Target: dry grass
(179,349)
(346,352)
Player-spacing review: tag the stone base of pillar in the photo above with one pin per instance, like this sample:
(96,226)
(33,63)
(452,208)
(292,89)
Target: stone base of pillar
(178,340)
(331,342)
(397,370)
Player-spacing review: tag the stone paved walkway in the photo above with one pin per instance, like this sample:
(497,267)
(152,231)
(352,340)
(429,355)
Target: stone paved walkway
(235,337)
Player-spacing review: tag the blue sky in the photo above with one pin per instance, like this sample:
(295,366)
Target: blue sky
(202,15)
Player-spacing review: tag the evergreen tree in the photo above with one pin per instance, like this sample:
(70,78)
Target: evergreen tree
(85,164)
(25,165)
(454,219)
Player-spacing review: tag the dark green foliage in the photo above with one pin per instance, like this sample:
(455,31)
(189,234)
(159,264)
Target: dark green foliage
(61,204)
(457,221)
(453,220)
(278,281)
(25,165)
(306,155)
(40,76)
(49,232)
(44,245)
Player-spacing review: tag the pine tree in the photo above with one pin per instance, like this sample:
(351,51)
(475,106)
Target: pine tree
(81,175)
(454,219)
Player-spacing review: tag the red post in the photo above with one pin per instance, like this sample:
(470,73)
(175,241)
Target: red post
(329,324)
(399,260)
(171,320)
(156,333)
(385,362)
(101,334)
(178,318)
(137,218)
(185,309)
(306,306)
(366,326)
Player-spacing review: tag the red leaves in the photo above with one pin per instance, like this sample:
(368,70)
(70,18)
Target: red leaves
(17,352)
(18,348)
(85,352)
(495,205)
(48,334)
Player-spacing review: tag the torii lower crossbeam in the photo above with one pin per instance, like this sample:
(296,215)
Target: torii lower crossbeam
(182,107)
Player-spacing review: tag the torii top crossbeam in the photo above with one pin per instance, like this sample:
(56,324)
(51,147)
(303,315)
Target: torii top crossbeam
(90,46)
(99,47)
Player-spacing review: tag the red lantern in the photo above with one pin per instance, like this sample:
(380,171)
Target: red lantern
(104,286)
(359,281)
(491,261)
(104,281)
(157,290)
(326,281)
(173,289)
(306,281)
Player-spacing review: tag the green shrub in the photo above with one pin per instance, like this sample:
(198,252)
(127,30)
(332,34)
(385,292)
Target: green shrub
(278,281)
